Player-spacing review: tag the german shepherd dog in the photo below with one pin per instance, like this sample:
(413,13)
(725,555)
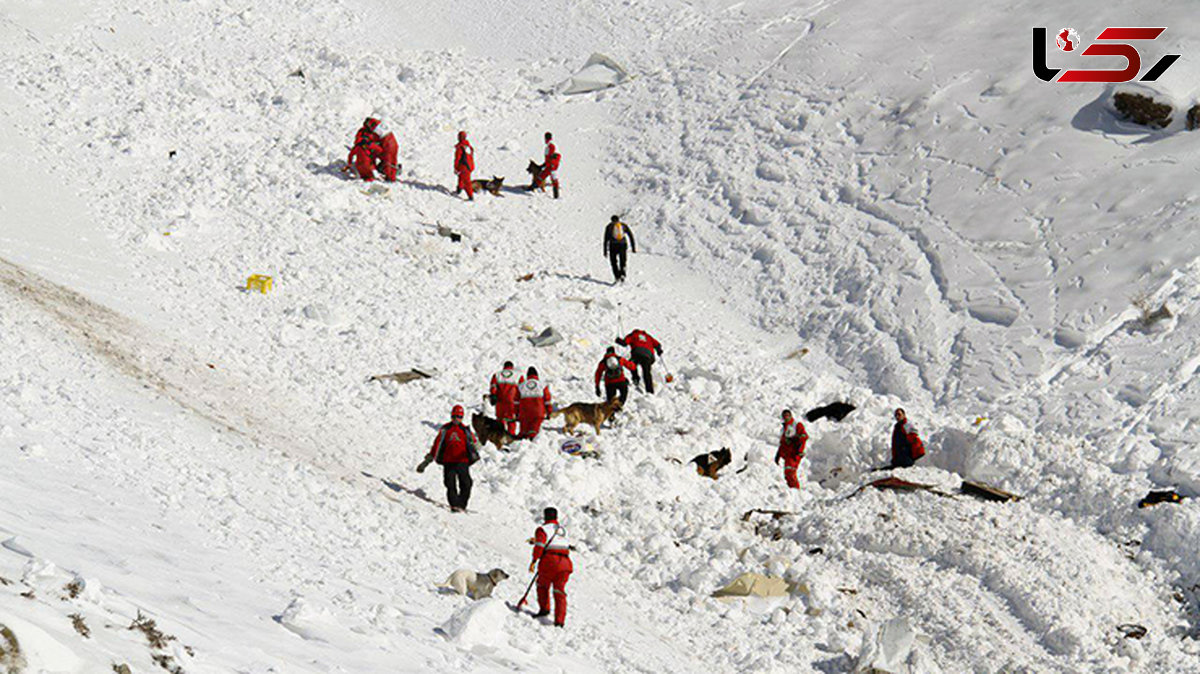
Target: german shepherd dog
(493,186)
(535,173)
(587,413)
(490,430)
(710,464)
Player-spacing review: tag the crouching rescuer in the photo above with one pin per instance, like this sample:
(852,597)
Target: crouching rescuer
(791,448)
(552,557)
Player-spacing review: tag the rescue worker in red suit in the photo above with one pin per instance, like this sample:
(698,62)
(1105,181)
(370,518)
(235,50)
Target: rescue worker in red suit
(504,395)
(375,147)
(906,444)
(642,348)
(791,448)
(552,557)
(464,164)
(455,448)
(534,404)
(550,165)
(612,367)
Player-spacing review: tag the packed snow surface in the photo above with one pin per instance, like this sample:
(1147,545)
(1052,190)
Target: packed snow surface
(856,200)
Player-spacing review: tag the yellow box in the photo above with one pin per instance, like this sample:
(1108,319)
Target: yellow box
(260,282)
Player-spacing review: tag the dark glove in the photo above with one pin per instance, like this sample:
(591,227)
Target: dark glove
(424,464)
(597,391)
(776,459)
(492,399)
(658,350)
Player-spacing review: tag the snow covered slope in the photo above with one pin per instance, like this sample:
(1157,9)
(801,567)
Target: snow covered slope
(934,226)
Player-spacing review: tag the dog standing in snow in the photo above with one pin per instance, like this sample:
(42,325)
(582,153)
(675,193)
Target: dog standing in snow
(474,585)
(587,413)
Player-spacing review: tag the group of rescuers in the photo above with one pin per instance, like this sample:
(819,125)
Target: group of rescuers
(522,403)
(376,149)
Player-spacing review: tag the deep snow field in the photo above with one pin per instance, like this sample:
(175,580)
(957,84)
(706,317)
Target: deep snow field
(859,200)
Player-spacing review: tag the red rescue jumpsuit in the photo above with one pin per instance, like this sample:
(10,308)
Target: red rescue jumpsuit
(390,151)
(553,554)
(550,164)
(535,400)
(791,450)
(374,147)
(504,387)
(464,164)
(367,146)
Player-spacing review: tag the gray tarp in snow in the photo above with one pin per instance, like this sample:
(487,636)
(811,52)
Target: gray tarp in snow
(600,72)
(548,337)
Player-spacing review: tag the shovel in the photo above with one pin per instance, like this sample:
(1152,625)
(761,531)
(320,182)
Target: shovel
(669,377)
(521,604)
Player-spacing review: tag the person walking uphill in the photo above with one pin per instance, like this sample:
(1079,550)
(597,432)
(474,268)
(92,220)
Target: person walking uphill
(791,448)
(464,164)
(618,239)
(612,367)
(503,395)
(534,404)
(906,444)
(552,557)
(455,449)
(642,348)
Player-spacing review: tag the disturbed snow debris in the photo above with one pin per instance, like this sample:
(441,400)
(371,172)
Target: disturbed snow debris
(11,657)
(877,295)
(405,376)
(1142,109)
(987,492)
(480,623)
(895,648)
(1160,496)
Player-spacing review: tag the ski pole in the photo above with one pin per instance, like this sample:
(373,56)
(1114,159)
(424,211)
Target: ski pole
(535,573)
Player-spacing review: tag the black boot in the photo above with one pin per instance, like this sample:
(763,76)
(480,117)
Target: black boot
(542,613)
(556,191)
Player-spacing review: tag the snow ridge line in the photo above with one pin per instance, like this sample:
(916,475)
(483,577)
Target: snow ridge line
(130,350)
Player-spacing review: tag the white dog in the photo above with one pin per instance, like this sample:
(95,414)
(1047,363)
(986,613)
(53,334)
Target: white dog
(474,585)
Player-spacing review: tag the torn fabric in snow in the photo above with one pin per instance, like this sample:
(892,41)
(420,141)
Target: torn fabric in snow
(754,585)
(600,72)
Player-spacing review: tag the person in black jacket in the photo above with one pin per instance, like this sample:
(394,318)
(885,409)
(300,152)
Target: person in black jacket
(906,444)
(618,238)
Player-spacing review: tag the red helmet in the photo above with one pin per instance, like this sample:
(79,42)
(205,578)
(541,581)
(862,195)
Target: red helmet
(457,412)
(371,123)
(462,135)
